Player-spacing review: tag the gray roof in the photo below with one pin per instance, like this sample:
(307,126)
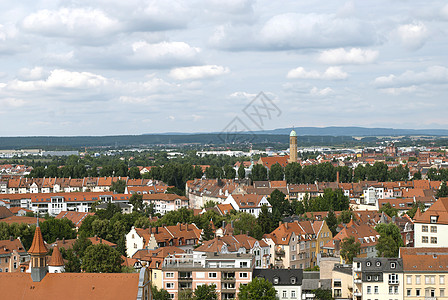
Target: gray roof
(380,264)
(284,276)
(346,269)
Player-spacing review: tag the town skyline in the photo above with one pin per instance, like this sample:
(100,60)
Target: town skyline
(71,68)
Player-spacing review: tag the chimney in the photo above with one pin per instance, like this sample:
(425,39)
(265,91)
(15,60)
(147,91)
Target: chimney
(186,226)
(337,177)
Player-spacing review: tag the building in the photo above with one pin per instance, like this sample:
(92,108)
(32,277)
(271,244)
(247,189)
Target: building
(47,282)
(164,203)
(425,273)
(287,283)
(377,278)
(12,254)
(226,271)
(249,203)
(292,147)
(431,227)
(342,282)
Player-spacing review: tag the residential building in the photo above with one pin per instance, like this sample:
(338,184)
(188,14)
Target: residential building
(287,283)
(188,271)
(164,203)
(431,227)
(12,254)
(378,278)
(249,203)
(342,282)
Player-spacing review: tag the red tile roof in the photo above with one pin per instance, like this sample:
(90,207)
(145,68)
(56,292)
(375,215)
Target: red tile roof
(38,245)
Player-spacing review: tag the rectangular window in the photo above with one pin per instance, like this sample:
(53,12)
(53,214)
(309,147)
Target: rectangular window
(442,292)
(243,275)
(433,240)
(409,279)
(408,292)
(293,294)
(396,290)
(369,289)
(434,229)
(393,278)
(284,294)
(424,228)
(417,279)
(424,239)
(376,289)
(391,290)
(337,283)
(169,275)
(212,275)
(417,292)
(442,279)
(170,285)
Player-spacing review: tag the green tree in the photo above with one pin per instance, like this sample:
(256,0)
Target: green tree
(276,172)
(107,213)
(247,223)
(443,190)
(258,288)
(280,206)
(73,264)
(81,244)
(417,176)
(389,210)
(185,294)
(241,171)
(265,220)
(259,172)
(229,172)
(293,173)
(118,186)
(159,294)
(417,205)
(53,229)
(390,240)
(205,292)
(349,249)
(101,259)
(176,191)
(134,173)
(332,222)
(322,294)
(136,201)
(345,216)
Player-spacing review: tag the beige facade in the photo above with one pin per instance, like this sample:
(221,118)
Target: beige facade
(426,285)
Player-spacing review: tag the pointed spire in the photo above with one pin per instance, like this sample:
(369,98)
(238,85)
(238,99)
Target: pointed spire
(38,245)
(56,258)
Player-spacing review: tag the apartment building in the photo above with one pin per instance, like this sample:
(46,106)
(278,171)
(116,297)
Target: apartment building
(431,227)
(188,271)
(378,278)
(12,254)
(164,203)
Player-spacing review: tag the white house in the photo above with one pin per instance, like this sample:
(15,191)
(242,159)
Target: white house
(431,227)
(250,203)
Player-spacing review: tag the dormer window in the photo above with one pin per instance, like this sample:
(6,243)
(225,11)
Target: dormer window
(392,265)
(369,278)
(275,280)
(434,219)
(368,263)
(378,264)
(293,280)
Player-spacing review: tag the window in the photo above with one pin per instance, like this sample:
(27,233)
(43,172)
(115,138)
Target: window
(284,294)
(293,257)
(243,275)
(369,289)
(338,293)
(212,275)
(392,265)
(442,292)
(391,290)
(378,264)
(393,278)
(375,289)
(293,294)
(293,280)
(434,229)
(442,279)
(417,292)
(275,280)
(368,263)
(396,290)
(434,219)
(170,285)
(424,239)
(243,264)
(417,279)
(433,240)
(337,283)
(408,292)
(424,228)
(409,279)
(169,275)
(369,278)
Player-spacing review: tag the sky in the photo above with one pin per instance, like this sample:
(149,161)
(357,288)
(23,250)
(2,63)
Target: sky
(113,67)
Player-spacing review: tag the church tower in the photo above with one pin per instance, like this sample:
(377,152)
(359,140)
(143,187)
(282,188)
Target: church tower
(38,251)
(292,147)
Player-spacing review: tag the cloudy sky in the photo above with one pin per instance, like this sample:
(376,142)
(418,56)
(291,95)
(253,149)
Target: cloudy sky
(106,67)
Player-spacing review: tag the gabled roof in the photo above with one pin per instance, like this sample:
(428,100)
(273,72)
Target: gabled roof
(439,210)
(232,243)
(7,246)
(5,212)
(247,200)
(74,216)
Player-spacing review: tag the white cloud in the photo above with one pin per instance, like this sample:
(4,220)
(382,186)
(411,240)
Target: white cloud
(432,75)
(85,24)
(331,73)
(164,53)
(341,56)
(198,72)
(412,36)
(242,95)
(60,79)
(12,102)
(399,91)
(321,92)
(35,73)
(444,11)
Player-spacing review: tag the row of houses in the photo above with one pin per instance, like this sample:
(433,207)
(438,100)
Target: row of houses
(23,185)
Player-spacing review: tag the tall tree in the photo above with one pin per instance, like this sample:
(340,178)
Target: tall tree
(118,186)
(293,173)
(159,294)
(241,171)
(349,249)
(259,172)
(53,229)
(134,173)
(258,288)
(443,190)
(280,206)
(389,210)
(265,220)
(101,259)
(276,172)
(390,241)
(332,222)
(205,292)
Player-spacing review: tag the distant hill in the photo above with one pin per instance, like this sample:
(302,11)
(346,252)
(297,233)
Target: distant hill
(340,131)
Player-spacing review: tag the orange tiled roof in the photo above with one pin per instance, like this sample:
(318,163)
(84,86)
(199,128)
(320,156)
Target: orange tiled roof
(439,209)
(56,258)
(38,245)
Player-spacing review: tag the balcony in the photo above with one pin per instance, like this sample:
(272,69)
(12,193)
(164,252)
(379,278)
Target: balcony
(280,252)
(228,279)
(357,294)
(357,281)
(394,282)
